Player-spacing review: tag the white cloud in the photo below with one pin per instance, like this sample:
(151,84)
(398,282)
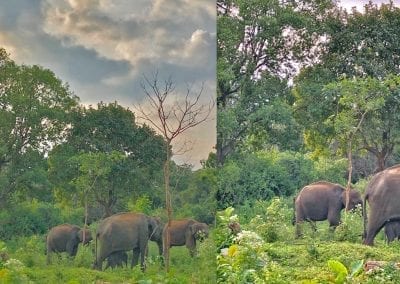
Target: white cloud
(170,29)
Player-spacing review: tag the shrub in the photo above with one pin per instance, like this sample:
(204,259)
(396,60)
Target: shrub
(28,218)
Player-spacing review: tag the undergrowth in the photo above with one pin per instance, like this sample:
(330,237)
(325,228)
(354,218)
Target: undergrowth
(266,250)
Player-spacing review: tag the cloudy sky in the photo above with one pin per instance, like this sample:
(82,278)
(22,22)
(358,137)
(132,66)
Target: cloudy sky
(102,48)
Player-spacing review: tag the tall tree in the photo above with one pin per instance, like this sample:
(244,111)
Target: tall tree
(261,41)
(357,45)
(34,113)
(103,130)
(358,99)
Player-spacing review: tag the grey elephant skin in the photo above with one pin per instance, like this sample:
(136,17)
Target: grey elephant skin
(321,201)
(66,238)
(124,232)
(118,258)
(185,232)
(392,231)
(383,197)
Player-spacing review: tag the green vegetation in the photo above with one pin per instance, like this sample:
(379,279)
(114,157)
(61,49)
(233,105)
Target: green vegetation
(267,252)
(62,162)
(26,263)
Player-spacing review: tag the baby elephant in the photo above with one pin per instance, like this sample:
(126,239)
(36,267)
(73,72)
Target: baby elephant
(66,238)
(392,231)
(185,232)
(118,258)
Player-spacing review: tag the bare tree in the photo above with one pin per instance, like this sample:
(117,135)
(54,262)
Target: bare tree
(171,119)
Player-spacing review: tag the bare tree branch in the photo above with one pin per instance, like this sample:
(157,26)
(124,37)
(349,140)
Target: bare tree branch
(172,120)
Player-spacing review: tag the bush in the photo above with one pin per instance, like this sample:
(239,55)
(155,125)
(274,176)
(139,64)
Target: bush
(28,218)
(266,174)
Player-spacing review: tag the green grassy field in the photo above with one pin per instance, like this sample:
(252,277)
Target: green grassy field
(266,251)
(27,264)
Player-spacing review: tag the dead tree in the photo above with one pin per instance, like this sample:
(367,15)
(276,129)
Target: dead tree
(171,117)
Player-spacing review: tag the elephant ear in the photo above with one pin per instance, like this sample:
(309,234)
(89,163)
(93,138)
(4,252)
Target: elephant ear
(194,229)
(199,231)
(153,226)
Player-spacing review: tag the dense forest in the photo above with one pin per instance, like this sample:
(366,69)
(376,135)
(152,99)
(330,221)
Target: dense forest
(65,162)
(306,91)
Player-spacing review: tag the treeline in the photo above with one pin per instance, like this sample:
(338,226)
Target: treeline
(56,154)
(303,86)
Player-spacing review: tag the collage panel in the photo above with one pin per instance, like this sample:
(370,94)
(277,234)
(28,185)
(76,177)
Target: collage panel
(308,141)
(107,141)
(199,141)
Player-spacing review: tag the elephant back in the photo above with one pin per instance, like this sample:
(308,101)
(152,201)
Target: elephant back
(123,231)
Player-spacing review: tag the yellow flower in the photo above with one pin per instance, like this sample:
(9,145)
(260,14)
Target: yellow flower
(233,249)
(3,273)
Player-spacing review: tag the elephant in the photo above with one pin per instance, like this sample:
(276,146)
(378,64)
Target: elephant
(321,201)
(118,258)
(66,238)
(383,196)
(127,231)
(184,232)
(392,231)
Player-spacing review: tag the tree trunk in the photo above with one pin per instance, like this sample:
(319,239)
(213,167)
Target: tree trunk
(168,206)
(381,161)
(86,218)
(350,170)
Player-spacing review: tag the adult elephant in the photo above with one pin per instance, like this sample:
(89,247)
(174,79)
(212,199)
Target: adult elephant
(66,238)
(321,201)
(184,232)
(383,196)
(124,232)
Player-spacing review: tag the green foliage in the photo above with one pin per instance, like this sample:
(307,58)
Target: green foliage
(28,218)
(35,111)
(339,269)
(265,174)
(197,199)
(142,204)
(350,227)
(27,263)
(250,258)
(253,97)
(222,236)
(99,134)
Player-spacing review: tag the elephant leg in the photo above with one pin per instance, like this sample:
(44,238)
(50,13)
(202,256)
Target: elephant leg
(333,219)
(389,233)
(298,233)
(101,256)
(374,226)
(298,223)
(191,245)
(71,248)
(48,258)
(74,250)
(143,253)
(135,257)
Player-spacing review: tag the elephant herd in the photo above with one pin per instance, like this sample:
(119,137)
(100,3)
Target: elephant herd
(324,201)
(124,232)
